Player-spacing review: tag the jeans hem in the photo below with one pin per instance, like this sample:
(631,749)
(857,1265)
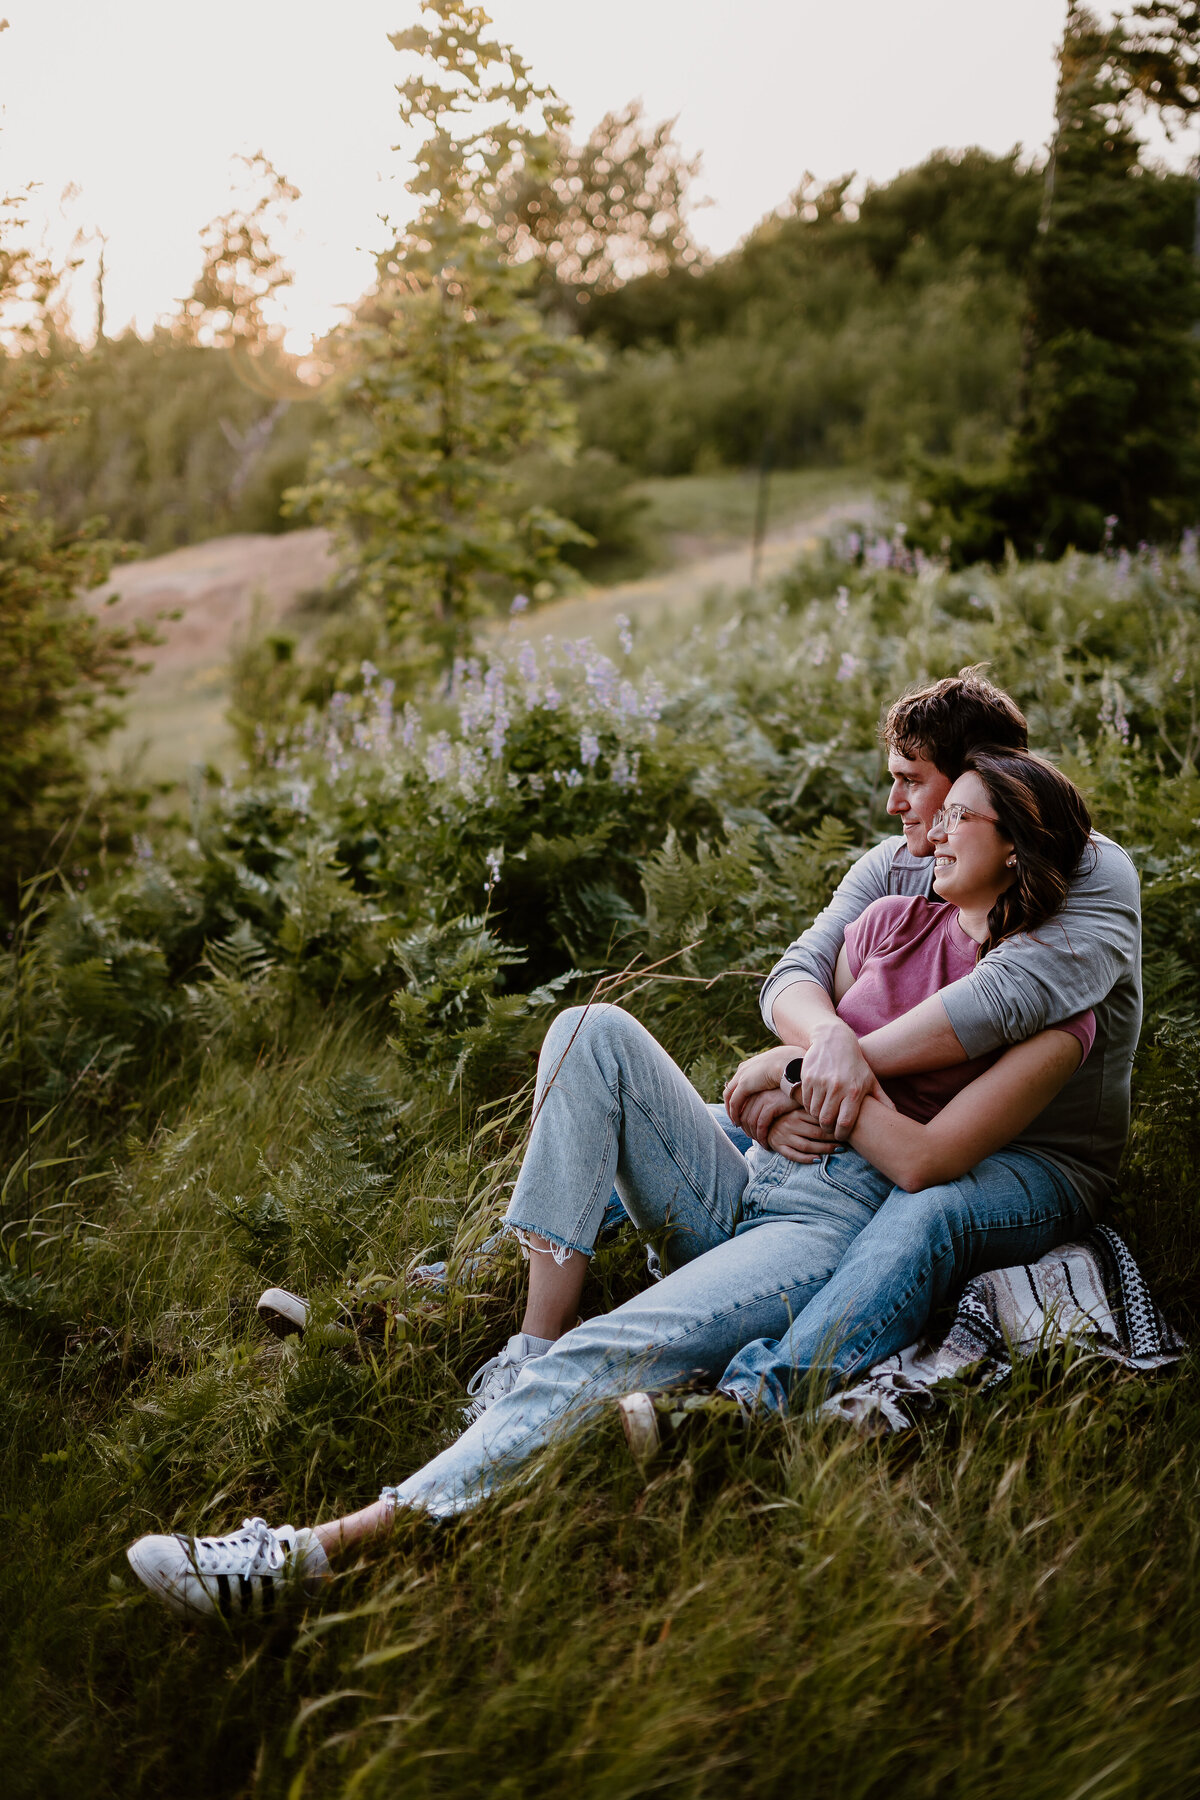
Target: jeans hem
(522,1232)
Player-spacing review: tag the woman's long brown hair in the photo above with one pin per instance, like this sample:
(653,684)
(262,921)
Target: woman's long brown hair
(1047,820)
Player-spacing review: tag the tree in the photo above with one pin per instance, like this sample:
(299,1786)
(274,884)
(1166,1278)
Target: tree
(607,212)
(60,669)
(452,369)
(170,443)
(192,430)
(241,272)
(1160,58)
(1106,445)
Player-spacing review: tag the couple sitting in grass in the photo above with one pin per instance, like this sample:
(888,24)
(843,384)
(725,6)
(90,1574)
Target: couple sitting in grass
(949,1094)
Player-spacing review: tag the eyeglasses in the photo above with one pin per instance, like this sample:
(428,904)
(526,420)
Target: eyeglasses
(949,818)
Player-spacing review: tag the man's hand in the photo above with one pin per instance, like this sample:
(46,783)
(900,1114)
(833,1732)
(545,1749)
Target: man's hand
(837,1079)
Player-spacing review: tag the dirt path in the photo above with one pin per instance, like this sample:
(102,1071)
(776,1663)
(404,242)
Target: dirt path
(686,585)
(177,710)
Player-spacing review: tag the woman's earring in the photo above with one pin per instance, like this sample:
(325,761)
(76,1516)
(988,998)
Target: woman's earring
(1011,863)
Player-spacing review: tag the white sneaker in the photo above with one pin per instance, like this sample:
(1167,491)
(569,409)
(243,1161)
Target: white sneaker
(498,1375)
(639,1421)
(286,1314)
(368,1303)
(245,1572)
(649,1420)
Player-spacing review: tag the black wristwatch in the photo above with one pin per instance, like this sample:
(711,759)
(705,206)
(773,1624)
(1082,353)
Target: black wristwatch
(789,1081)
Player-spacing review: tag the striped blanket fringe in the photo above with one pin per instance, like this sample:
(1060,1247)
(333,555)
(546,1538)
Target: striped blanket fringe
(1088,1295)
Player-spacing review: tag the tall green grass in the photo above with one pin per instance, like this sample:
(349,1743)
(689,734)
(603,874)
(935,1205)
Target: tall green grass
(298,1048)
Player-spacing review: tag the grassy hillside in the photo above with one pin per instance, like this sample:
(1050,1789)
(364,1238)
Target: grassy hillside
(718,508)
(297,1047)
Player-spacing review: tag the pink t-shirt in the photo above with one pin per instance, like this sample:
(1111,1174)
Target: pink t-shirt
(901,950)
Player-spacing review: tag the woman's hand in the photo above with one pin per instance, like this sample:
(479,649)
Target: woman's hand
(795,1134)
(766,1112)
(778,1123)
(757,1075)
(988,1113)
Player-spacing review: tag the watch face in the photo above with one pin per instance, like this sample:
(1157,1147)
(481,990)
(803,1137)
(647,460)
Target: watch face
(793,1070)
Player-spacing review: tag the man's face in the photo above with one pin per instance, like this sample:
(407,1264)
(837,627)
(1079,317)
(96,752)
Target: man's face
(918,789)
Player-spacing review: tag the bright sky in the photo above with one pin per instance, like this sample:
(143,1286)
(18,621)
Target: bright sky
(132,110)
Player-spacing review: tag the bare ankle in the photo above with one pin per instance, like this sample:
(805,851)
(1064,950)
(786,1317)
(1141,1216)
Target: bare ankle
(345,1533)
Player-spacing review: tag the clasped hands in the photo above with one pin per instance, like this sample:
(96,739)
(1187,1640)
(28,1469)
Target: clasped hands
(837,1079)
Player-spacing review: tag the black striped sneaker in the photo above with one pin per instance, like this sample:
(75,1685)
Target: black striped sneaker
(246,1572)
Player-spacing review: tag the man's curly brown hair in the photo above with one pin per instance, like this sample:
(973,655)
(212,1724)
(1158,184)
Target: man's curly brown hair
(944,720)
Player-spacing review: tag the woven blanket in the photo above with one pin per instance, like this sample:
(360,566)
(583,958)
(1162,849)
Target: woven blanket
(1088,1294)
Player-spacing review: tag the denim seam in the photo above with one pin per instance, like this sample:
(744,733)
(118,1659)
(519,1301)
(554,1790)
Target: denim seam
(612,1117)
(688,1176)
(772,1177)
(614,1112)
(840,1186)
(703,1323)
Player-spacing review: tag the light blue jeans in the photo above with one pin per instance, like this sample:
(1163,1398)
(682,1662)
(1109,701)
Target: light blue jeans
(777,1269)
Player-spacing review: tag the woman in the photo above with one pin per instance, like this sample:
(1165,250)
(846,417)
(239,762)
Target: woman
(778,1268)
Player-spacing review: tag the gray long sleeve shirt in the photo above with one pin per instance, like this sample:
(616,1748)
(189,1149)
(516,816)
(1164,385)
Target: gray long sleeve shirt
(1088,955)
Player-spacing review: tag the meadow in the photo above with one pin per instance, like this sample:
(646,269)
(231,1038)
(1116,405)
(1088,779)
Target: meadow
(292,1042)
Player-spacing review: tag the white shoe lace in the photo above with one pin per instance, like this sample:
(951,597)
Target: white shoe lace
(495,1378)
(497,1374)
(255,1550)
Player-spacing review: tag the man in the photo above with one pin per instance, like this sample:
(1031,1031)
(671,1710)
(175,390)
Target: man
(1025,985)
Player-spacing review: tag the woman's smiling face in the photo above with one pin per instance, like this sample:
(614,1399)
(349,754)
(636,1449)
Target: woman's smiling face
(971,866)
